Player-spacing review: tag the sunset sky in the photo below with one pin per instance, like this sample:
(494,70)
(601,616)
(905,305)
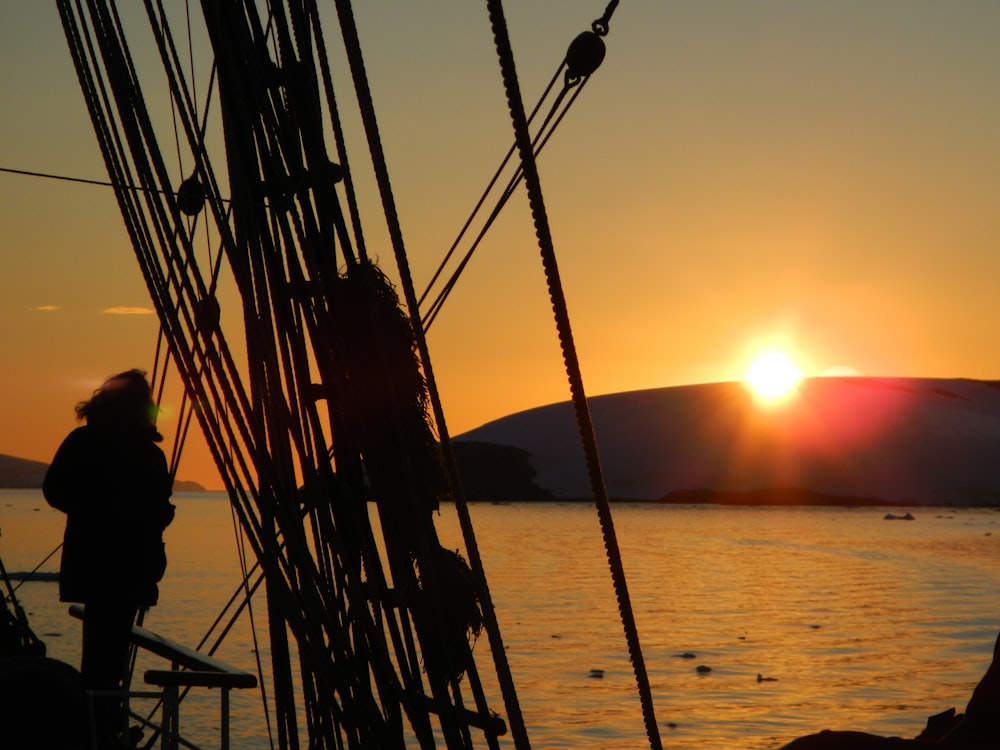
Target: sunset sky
(819,178)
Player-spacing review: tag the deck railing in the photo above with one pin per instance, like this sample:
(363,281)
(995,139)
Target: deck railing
(188,668)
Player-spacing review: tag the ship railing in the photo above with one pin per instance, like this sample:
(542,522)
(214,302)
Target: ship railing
(188,668)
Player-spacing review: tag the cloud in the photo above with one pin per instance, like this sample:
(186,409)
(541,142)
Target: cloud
(47,308)
(127,311)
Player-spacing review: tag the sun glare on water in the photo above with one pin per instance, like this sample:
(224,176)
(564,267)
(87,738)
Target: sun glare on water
(773,376)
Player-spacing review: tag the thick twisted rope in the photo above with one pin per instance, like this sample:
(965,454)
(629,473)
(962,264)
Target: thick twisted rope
(579,397)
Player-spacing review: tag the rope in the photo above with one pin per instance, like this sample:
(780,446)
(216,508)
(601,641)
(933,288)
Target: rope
(277,246)
(88,181)
(584,422)
(247,603)
(539,142)
(114,155)
(366,106)
(50,176)
(34,570)
(486,192)
(338,131)
(574,78)
(602,25)
(27,641)
(280,135)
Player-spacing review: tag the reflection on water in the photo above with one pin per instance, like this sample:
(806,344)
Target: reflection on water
(861,623)
(864,623)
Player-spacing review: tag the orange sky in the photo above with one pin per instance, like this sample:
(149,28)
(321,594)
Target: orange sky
(820,177)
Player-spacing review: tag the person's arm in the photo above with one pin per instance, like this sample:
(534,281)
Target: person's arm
(63,483)
(165,509)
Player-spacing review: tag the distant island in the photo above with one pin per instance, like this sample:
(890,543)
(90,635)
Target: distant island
(186,485)
(25,474)
(772,496)
(21,473)
(847,441)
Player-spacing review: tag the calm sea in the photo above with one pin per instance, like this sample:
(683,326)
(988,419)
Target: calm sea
(861,623)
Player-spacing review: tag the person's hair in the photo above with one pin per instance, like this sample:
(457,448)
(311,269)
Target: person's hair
(124,402)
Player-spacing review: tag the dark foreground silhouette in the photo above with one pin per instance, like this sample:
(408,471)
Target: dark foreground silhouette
(112,481)
(977,729)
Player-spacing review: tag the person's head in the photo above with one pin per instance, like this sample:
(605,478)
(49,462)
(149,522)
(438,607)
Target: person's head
(124,402)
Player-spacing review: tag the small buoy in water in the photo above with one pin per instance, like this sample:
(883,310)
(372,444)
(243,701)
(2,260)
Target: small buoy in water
(702,669)
(671,725)
(685,655)
(596,674)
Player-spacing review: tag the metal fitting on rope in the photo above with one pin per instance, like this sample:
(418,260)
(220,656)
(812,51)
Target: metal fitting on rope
(191,196)
(332,171)
(206,315)
(602,25)
(585,55)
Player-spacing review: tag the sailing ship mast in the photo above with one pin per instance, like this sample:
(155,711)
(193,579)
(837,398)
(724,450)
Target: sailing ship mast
(338,406)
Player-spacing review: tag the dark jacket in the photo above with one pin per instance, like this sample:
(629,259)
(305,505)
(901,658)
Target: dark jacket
(114,488)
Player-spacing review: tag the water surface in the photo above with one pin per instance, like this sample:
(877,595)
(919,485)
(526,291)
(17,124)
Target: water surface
(859,622)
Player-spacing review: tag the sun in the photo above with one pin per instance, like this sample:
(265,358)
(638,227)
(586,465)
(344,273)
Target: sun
(772,376)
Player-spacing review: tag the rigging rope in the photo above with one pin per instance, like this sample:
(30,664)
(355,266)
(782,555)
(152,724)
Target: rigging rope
(88,181)
(584,422)
(582,58)
(366,106)
(186,410)
(102,125)
(279,245)
(486,192)
(37,567)
(538,143)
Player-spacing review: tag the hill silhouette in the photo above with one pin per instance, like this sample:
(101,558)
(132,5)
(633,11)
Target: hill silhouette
(851,440)
(23,473)
(846,441)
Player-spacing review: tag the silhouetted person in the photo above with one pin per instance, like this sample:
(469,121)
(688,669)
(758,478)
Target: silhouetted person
(112,481)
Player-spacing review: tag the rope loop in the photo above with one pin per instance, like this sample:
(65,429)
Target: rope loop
(601,26)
